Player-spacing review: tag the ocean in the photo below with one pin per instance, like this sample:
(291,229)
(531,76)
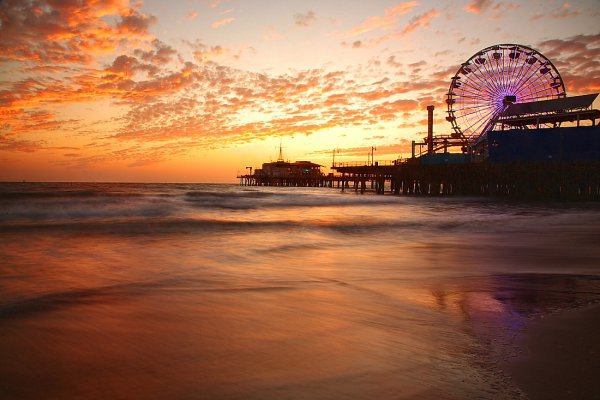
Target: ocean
(198,291)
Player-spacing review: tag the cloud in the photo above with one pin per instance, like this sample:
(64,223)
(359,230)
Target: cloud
(159,54)
(420,21)
(214,3)
(398,32)
(134,23)
(305,20)
(478,6)
(126,67)
(403,146)
(306,102)
(577,59)
(271,34)
(222,22)
(482,6)
(192,15)
(563,12)
(68,31)
(208,53)
(387,21)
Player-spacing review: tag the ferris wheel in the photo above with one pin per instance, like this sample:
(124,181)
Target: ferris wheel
(492,79)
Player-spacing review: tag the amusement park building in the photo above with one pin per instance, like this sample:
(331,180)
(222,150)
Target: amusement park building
(286,169)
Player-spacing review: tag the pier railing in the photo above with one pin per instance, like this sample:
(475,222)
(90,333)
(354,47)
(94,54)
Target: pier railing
(367,163)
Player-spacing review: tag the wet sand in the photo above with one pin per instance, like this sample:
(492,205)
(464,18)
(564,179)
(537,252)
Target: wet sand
(560,356)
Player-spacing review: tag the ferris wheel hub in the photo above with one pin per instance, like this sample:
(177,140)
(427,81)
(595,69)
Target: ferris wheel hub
(509,99)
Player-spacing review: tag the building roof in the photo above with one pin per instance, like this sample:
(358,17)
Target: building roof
(307,163)
(550,106)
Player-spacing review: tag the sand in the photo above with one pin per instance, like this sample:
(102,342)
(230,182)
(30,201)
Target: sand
(561,356)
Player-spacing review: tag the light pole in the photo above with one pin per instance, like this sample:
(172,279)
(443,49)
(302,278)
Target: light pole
(373,148)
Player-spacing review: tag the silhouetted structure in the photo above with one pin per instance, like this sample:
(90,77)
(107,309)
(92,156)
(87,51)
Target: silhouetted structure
(506,105)
(285,173)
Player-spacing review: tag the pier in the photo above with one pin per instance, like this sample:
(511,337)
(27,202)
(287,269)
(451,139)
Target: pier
(528,140)
(556,180)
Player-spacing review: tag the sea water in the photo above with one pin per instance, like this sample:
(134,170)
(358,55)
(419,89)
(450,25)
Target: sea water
(196,291)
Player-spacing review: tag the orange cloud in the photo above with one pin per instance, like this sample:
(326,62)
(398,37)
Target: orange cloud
(214,3)
(222,22)
(403,146)
(159,54)
(563,12)
(203,53)
(69,31)
(420,21)
(387,21)
(478,6)
(482,6)
(192,15)
(577,59)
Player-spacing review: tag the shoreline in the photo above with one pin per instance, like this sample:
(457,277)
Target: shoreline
(560,356)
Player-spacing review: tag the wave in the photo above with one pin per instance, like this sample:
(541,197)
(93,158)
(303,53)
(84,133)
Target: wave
(49,302)
(64,194)
(168,225)
(251,194)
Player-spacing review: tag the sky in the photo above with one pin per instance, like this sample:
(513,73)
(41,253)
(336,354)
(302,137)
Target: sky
(196,90)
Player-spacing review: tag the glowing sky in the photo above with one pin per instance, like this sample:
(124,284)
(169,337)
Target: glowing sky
(194,91)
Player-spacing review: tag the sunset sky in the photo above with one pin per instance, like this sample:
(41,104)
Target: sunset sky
(195,90)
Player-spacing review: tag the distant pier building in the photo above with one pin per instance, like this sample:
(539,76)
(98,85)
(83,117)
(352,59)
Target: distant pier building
(286,173)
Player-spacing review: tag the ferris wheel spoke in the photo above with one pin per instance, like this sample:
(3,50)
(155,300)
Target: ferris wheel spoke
(532,92)
(525,72)
(486,77)
(543,87)
(475,92)
(483,73)
(531,76)
(469,92)
(480,107)
(485,124)
(476,98)
(481,89)
(536,82)
(509,71)
(539,94)
(491,76)
(503,69)
(477,124)
(473,117)
(477,111)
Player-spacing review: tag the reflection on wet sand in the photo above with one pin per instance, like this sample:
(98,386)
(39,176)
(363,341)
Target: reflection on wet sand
(317,339)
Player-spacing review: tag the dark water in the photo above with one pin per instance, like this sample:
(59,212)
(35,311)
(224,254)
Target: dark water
(179,291)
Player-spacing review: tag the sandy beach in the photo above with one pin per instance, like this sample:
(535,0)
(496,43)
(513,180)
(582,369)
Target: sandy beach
(559,358)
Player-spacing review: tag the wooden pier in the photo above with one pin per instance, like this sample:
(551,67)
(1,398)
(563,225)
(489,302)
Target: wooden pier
(558,180)
(577,180)
(286,181)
